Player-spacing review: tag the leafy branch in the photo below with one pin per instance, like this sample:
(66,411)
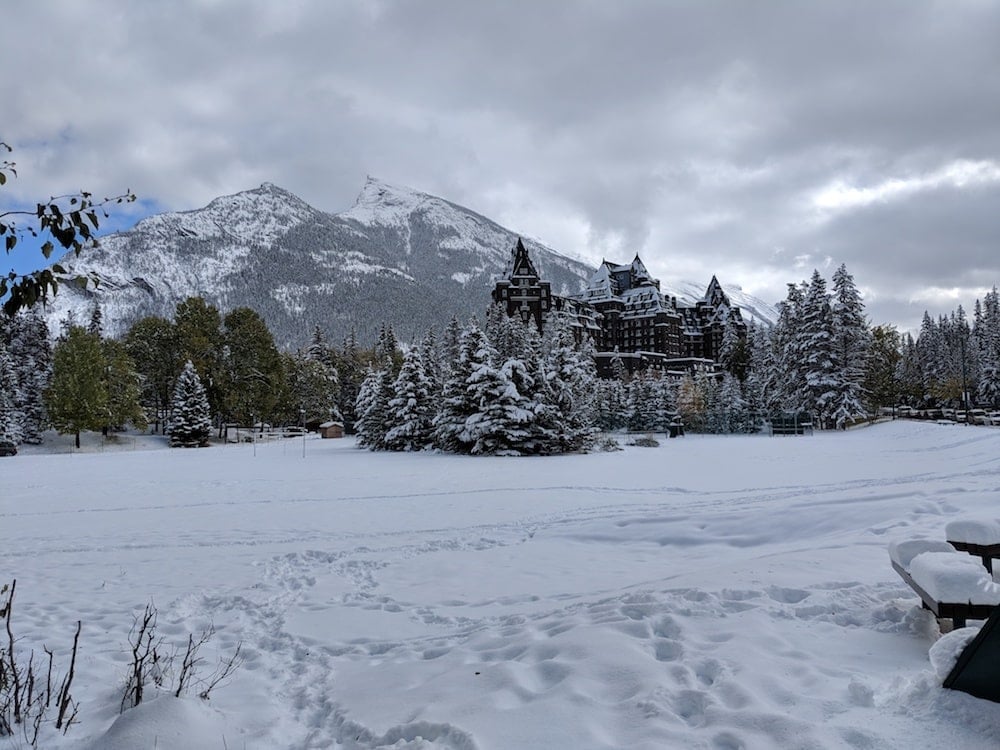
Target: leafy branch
(71,220)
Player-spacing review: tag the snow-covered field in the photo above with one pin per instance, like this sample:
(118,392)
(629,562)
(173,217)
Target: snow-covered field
(714,592)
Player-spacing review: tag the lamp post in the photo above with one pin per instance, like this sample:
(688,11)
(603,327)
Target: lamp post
(302,423)
(965,385)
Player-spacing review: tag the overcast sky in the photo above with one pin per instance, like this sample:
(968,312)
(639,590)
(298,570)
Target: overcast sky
(753,140)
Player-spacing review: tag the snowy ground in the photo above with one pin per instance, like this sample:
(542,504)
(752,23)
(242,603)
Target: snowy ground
(715,592)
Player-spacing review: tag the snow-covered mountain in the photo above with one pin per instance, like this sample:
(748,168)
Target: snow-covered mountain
(397,256)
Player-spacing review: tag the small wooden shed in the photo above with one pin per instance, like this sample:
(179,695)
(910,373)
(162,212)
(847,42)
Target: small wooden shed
(331,430)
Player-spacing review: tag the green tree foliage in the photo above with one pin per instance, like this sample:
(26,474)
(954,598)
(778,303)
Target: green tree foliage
(253,378)
(882,386)
(69,221)
(198,327)
(77,398)
(152,344)
(122,383)
(311,386)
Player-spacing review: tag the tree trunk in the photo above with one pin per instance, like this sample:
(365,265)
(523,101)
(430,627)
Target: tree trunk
(78,440)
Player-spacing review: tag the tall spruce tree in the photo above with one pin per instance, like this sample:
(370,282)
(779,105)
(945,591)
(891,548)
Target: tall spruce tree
(411,409)
(190,421)
(851,344)
(10,415)
(814,346)
(459,400)
(31,352)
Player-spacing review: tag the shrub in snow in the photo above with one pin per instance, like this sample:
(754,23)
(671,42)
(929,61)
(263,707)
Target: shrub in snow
(647,441)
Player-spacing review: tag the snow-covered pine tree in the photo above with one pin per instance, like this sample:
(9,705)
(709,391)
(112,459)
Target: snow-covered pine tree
(96,325)
(569,379)
(734,414)
(316,350)
(643,404)
(451,348)
(610,398)
(10,415)
(814,346)
(459,400)
(31,352)
(313,387)
(190,421)
(989,351)
(760,380)
(411,409)
(430,358)
(351,372)
(787,381)
(931,355)
(851,344)
(368,391)
(909,374)
(501,425)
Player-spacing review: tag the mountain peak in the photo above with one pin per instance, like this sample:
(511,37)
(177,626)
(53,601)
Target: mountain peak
(382,203)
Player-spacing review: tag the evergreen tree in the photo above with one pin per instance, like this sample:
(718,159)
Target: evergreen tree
(732,415)
(77,398)
(352,366)
(909,374)
(312,387)
(430,358)
(10,415)
(121,381)
(198,327)
(253,373)
(411,409)
(190,422)
(368,430)
(734,355)
(387,351)
(814,346)
(451,348)
(882,384)
(375,418)
(851,343)
(788,379)
(643,405)
(152,344)
(96,325)
(501,424)
(569,379)
(31,352)
(459,400)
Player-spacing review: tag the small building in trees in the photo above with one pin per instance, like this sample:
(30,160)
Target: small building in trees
(331,430)
(627,317)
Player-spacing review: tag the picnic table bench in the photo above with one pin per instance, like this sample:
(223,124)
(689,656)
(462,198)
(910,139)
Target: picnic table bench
(977,537)
(954,587)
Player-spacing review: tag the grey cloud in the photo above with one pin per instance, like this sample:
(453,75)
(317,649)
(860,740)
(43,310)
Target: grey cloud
(694,133)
